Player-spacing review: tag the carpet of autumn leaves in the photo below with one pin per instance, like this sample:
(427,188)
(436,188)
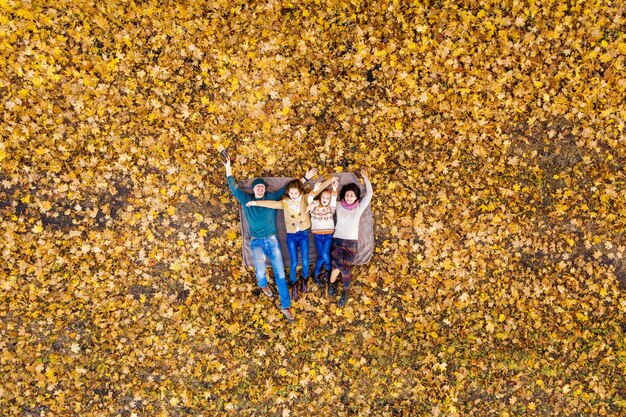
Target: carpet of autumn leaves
(494,135)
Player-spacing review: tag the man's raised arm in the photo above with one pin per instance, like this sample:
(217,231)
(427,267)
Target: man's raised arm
(232,184)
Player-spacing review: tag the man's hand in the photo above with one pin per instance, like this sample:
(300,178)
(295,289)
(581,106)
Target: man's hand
(251,203)
(224,154)
(227,164)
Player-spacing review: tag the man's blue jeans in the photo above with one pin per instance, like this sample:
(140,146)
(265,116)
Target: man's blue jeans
(294,240)
(269,247)
(322,244)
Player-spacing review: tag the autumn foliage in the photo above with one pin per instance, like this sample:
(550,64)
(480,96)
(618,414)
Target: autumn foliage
(494,136)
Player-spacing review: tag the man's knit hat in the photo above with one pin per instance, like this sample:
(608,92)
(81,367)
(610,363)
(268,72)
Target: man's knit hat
(258,181)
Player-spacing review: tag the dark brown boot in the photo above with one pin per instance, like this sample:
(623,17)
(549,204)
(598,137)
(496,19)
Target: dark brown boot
(331,288)
(294,291)
(316,280)
(344,298)
(326,277)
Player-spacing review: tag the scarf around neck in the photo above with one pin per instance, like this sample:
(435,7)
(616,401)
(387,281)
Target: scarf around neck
(294,205)
(347,206)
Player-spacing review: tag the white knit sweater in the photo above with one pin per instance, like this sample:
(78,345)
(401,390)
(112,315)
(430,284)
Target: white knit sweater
(347,226)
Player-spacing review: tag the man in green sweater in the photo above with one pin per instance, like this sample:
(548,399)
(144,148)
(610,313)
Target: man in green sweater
(264,235)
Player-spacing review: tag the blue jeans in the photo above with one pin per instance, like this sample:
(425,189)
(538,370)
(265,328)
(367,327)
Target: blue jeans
(322,244)
(269,247)
(295,240)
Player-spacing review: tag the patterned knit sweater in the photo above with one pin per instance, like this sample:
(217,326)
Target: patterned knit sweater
(322,221)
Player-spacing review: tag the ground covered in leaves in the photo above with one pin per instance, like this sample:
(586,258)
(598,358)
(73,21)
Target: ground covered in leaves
(494,135)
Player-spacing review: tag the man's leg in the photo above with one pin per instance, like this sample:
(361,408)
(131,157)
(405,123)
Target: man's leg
(276,258)
(258,255)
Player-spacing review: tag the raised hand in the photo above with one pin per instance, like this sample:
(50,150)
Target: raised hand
(335,183)
(226,161)
(310,173)
(364,172)
(225,157)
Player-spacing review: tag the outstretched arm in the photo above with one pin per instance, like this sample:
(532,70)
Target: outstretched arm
(272,204)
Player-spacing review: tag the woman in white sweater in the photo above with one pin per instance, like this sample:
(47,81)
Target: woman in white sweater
(345,237)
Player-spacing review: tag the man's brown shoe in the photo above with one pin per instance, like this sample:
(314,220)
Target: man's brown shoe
(267,291)
(288,314)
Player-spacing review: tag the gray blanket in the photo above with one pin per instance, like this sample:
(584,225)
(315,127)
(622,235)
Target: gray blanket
(366,225)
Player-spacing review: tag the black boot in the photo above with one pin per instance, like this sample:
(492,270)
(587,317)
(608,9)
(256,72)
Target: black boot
(326,277)
(344,298)
(303,285)
(316,280)
(331,288)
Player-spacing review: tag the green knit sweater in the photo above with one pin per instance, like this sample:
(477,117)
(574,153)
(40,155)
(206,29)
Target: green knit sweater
(261,220)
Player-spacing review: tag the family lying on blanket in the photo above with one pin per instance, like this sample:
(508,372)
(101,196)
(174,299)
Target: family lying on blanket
(336,244)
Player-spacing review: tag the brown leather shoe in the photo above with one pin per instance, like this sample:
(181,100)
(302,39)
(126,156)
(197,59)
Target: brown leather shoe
(267,291)
(288,313)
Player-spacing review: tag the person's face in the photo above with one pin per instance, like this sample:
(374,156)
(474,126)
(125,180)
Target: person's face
(350,197)
(294,193)
(325,199)
(259,190)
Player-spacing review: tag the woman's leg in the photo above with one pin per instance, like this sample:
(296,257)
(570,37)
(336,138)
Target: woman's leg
(346,272)
(331,282)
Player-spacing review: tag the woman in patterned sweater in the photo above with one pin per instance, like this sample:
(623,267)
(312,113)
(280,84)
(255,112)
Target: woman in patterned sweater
(323,225)
(345,237)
